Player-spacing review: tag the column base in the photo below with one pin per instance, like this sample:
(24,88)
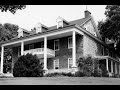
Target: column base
(74,69)
(45,71)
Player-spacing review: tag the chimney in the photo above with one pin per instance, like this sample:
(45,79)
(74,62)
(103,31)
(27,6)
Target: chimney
(87,13)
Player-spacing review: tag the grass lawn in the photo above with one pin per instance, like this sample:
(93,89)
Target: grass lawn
(59,81)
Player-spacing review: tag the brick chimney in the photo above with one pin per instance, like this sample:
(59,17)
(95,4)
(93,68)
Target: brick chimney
(87,13)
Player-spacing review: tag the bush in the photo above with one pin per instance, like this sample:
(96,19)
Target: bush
(97,73)
(79,74)
(28,66)
(59,74)
(87,66)
(104,71)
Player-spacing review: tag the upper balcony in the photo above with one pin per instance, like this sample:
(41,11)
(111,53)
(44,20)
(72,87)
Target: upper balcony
(40,52)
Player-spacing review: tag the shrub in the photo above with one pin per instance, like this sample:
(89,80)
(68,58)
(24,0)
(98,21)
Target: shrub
(97,73)
(104,71)
(87,65)
(28,66)
(59,74)
(79,74)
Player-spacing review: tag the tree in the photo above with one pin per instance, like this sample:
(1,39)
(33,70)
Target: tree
(7,32)
(110,28)
(11,8)
(28,66)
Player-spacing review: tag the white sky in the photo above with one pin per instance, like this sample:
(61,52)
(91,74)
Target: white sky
(47,14)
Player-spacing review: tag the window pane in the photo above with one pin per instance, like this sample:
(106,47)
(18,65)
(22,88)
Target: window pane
(70,42)
(31,46)
(70,63)
(56,45)
(56,64)
(42,44)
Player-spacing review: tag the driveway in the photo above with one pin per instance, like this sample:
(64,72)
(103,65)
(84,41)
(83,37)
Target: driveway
(59,81)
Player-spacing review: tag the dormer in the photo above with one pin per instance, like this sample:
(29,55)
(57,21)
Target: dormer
(61,22)
(20,32)
(40,28)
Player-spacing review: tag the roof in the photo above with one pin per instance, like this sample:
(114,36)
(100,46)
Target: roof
(52,28)
(78,22)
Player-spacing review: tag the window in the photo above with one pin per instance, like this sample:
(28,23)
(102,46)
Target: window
(56,64)
(111,53)
(70,61)
(56,45)
(31,46)
(60,24)
(42,44)
(102,49)
(70,42)
(19,51)
(107,51)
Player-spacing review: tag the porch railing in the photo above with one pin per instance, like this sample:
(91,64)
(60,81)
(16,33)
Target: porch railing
(39,51)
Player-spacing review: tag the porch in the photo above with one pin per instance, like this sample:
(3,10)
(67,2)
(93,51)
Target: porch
(44,52)
(112,65)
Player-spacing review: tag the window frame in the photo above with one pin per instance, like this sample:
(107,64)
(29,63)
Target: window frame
(69,43)
(69,62)
(103,53)
(55,45)
(107,50)
(54,64)
(42,43)
(19,51)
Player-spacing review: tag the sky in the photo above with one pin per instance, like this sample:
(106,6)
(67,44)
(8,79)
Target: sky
(47,14)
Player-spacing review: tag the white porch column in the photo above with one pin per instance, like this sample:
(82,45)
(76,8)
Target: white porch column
(111,66)
(2,57)
(45,53)
(119,68)
(115,67)
(107,64)
(74,49)
(22,48)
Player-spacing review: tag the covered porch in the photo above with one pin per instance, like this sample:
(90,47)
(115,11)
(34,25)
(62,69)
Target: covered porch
(112,65)
(44,52)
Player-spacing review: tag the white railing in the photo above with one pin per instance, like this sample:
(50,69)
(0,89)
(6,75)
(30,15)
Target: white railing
(50,51)
(39,51)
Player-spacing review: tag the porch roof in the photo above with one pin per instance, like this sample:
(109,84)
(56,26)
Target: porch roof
(105,57)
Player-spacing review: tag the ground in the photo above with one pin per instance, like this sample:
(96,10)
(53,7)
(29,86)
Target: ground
(59,81)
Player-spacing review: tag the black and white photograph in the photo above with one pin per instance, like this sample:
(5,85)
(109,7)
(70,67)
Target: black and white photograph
(59,44)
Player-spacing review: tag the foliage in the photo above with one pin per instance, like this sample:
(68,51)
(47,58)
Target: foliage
(69,74)
(79,74)
(28,66)
(104,71)
(7,32)
(110,28)
(11,8)
(87,65)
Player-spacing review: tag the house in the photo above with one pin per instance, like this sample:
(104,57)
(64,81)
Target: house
(59,47)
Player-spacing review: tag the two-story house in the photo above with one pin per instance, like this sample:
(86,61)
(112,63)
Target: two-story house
(59,47)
